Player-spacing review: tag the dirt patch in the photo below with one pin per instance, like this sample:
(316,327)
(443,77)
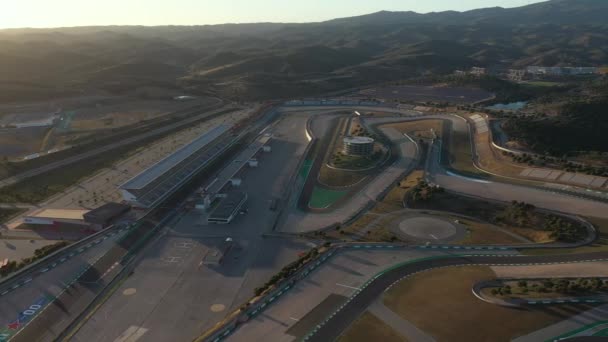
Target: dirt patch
(534,235)
(588,269)
(600,245)
(493,161)
(421,128)
(370,328)
(393,201)
(316,316)
(339,178)
(479,233)
(455,314)
(19,142)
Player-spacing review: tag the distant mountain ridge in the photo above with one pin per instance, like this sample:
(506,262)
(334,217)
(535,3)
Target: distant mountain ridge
(282,59)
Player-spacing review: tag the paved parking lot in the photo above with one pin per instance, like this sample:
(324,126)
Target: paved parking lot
(172,295)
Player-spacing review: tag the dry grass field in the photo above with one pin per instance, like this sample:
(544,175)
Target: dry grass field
(369,328)
(440,302)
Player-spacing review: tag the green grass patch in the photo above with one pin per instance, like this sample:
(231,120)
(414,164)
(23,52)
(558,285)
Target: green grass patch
(323,198)
(305,169)
(543,84)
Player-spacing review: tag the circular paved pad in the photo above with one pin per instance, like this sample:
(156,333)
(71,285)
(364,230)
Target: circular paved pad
(217,307)
(428,228)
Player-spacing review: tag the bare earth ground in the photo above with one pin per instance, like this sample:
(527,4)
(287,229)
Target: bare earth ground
(589,269)
(420,128)
(600,245)
(485,233)
(20,142)
(370,328)
(440,303)
(19,249)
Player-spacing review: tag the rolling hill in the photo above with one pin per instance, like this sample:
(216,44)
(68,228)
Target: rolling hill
(266,60)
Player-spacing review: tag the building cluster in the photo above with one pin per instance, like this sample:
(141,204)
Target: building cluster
(476,71)
(561,71)
(516,75)
(534,71)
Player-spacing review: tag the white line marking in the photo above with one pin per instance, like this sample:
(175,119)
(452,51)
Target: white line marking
(294,319)
(434,237)
(350,287)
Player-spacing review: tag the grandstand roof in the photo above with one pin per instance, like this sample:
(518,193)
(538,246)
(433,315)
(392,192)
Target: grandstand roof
(241,160)
(159,169)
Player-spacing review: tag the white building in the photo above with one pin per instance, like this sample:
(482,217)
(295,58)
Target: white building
(358,146)
(56,216)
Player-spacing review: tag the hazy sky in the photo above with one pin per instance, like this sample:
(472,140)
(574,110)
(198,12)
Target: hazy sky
(55,13)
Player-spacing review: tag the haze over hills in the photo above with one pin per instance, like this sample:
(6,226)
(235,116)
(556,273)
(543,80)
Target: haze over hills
(269,60)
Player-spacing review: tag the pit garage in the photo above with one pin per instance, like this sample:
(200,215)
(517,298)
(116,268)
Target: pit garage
(228,208)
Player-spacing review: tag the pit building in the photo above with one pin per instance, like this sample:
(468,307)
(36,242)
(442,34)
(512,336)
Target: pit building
(160,180)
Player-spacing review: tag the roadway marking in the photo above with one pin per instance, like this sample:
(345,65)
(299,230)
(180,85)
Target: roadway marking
(186,245)
(350,287)
(434,237)
(23,318)
(132,334)
(173,259)
(294,319)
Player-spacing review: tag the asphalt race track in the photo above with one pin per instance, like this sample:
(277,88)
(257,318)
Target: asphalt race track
(342,319)
(89,285)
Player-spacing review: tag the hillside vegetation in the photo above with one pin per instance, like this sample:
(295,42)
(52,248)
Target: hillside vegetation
(578,128)
(260,61)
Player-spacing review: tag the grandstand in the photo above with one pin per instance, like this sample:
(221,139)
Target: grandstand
(163,178)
